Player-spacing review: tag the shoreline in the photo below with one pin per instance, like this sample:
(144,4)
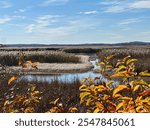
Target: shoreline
(54,68)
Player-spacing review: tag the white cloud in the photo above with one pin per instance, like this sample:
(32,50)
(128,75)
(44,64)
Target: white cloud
(109,2)
(62,28)
(130,21)
(4,20)
(30,28)
(47,20)
(42,22)
(22,10)
(115,9)
(140,4)
(19,16)
(114,6)
(5,4)
(55,2)
(118,7)
(89,12)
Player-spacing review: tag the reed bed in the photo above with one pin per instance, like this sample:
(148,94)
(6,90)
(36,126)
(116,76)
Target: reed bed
(10,58)
(68,93)
(142,54)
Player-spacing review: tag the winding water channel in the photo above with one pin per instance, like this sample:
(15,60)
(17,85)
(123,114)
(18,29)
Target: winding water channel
(68,77)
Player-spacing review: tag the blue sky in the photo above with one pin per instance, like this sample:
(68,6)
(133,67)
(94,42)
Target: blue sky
(74,21)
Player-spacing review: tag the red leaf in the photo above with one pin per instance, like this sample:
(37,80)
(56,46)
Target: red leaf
(145,93)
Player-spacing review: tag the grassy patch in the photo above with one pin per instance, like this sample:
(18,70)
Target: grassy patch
(11,58)
(68,93)
(142,54)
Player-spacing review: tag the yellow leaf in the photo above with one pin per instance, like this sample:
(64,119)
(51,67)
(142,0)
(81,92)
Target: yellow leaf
(12,79)
(126,58)
(83,86)
(34,66)
(35,93)
(144,74)
(85,90)
(55,101)
(88,102)
(119,74)
(100,64)
(73,109)
(99,106)
(84,94)
(109,83)
(125,79)
(29,110)
(136,88)
(109,66)
(105,97)
(122,67)
(139,108)
(119,63)
(96,110)
(119,88)
(102,71)
(6,102)
(119,106)
(101,88)
(126,98)
(130,61)
(29,62)
(33,88)
(117,96)
(20,62)
(26,102)
(109,57)
(140,82)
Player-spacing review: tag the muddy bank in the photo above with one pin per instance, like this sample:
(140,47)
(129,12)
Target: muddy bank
(49,68)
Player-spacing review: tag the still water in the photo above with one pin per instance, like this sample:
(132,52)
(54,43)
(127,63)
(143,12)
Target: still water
(68,77)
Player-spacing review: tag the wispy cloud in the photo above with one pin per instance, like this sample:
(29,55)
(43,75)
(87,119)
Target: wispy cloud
(5,4)
(5,20)
(54,2)
(130,21)
(19,16)
(108,2)
(22,10)
(144,4)
(116,6)
(89,12)
(41,22)
(115,9)
(61,27)
(30,28)
(47,20)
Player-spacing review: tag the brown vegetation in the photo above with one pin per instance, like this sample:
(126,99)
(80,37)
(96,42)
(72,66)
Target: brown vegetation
(141,54)
(11,58)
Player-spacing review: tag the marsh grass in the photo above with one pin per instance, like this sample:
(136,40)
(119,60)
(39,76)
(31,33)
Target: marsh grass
(81,50)
(11,58)
(141,54)
(68,93)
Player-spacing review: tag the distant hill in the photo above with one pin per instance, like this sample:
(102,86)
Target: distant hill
(134,43)
(85,44)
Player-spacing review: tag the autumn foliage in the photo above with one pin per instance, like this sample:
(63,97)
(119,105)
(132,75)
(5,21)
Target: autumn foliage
(125,91)
(131,95)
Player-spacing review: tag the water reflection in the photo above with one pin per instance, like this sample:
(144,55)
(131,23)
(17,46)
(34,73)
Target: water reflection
(62,77)
(68,77)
